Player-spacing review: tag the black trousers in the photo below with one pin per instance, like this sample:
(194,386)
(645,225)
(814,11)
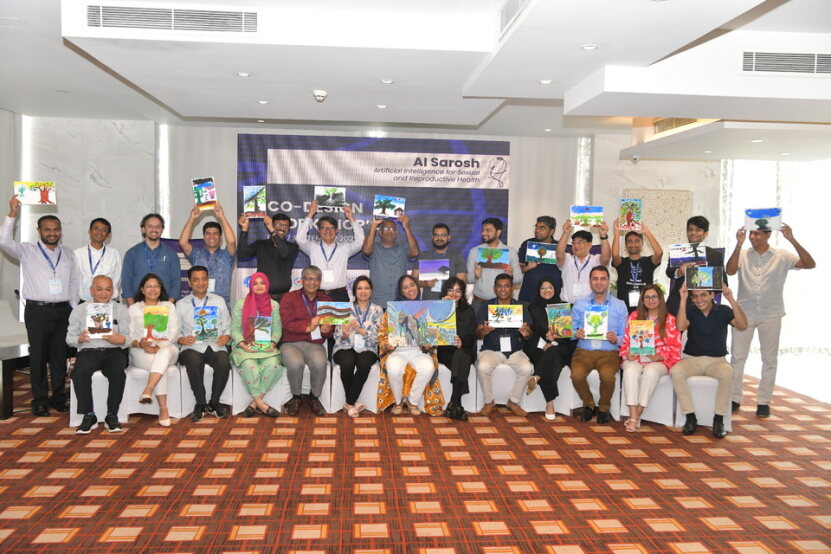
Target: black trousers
(46,330)
(354,369)
(194,363)
(458,361)
(111,362)
(548,364)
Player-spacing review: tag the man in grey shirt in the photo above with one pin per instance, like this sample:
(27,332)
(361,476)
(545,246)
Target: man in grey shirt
(431,288)
(388,257)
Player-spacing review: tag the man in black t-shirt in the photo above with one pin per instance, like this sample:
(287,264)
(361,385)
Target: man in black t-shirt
(275,255)
(706,324)
(634,272)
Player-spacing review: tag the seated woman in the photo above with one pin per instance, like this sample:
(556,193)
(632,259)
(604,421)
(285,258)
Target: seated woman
(548,353)
(651,306)
(459,357)
(356,344)
(255,332)
(154,328)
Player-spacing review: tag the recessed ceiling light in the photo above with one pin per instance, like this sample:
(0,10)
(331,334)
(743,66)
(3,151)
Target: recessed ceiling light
(545,81)
(757,141)
(243,74)
(387,81)
(588,47)
(261,121)
(708,151)
(262,101)
(784,153)
(62,91)
(548,130)
(382,106)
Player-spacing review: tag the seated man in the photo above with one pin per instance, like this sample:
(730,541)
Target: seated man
(599,354)
(503,346)
(706,325)
(205,330)
(104,351)
(303,340)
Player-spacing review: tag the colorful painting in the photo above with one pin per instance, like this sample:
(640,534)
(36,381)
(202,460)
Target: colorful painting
(156,323)
(421,323)
(334,313)
(99,320)
(764,219)
(330,197)
(631,214)
(642,337)
(254,202)
(35,193)
(433,269)
(560,320)
(388,206)
(206,323)
(204,193)
(493,258)
(540,252)
(704,277)
(680,254)
(596,322)
(262,331)
(586,216)
(507,316)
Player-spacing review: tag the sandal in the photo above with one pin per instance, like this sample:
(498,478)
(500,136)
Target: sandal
(145,399)
(530,385)
(414,410)
(360,406)
(249,411)
(631,425)
(353,412)
(398,409)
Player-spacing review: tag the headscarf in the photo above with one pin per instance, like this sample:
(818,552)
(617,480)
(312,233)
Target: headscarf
(255,304)
(542,302)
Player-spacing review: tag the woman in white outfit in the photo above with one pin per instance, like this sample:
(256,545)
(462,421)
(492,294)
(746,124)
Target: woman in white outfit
(153,340)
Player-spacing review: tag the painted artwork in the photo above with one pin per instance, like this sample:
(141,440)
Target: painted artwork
(433,269)
(631,214)
(156,320)
(764,219)
(254,202)
(334,313)
(507,316)
(421,323)
(493,258)
(261,325)
(330,197)
(560,320)
(206,323)
(680,254)
(388,206)
(204,193)
(596,322)
(35,193)
(586,216)
(642,337)
(704,277)
(540,252)
(99,320)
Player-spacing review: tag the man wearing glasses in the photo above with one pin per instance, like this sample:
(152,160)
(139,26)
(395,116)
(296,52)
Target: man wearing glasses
(275,255)
(388,256)
(431,288)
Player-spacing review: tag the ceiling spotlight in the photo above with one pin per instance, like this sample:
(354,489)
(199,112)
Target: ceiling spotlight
(382,106)
(261,121)
(588,47)
(756,141)
(708,151)
(784,153)
(61,91)
(387,81)
(262,101)
(243,74)
(547,130)
(545,81)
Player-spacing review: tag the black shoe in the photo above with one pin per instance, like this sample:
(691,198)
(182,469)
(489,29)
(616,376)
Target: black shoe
(88,424)
(691,425)
(271,412)
(250,411)
(604,417)
(718,428)
(318,408)
(62,408)
(112,424)
(292,407)
(763,411)
(734,406)
(198,412)
(40,411)
(219,410)
(455,411)
(587,414)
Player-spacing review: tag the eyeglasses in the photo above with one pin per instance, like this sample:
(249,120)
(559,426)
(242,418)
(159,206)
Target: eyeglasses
(326,228)
(152,286)
(651,297)
(307,278)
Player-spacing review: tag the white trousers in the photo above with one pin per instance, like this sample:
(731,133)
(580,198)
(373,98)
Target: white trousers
(397,363)
(156,363)
(769,329)
(640,381)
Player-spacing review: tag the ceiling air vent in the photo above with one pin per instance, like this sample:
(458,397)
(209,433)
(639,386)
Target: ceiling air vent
(509,13)
(171,19)
(669,123)
(780,62)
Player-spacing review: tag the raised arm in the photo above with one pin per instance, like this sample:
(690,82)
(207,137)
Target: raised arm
(605,249)
(739,319)
(657,251)
(187,231)
(681,321)
(806,261)
(616,248)
(560,253)
(412,245)
(732,265)
(7,241)
(227,230)
(357,232)
(369,239)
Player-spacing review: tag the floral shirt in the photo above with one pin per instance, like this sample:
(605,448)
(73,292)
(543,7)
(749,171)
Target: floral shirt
(669,347)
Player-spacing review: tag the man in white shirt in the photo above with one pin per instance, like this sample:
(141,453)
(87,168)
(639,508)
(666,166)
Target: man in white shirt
(96,258)
(577,265)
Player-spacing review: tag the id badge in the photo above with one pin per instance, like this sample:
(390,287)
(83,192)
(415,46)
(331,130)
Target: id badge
(577,290)
(55,287)
(437,286)
(359,341)
(504,344)
(211,285)
(316,334)
(634,297)
(328,275)
(541,343)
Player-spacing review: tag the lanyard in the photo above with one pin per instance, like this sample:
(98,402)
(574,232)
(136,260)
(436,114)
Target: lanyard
(204,303)
(49,260)
(361,317)
(306,303)
(211,260)
(151,263)
(332,253)
(580,269)
(92,269)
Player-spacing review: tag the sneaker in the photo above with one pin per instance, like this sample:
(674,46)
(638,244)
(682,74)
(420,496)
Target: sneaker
(763,411)
(88,424)
(219,410)
(112,424)
(198,412)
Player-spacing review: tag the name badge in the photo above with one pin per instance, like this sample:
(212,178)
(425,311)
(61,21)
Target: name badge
(541,344)
(359,341)
(316,334)
(211,285)
(55,287)
(577,290)
(328,275)
(504,344)
(634,297)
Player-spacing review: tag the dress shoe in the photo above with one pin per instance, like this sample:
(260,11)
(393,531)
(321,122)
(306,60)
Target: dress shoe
(718,428)
(89,423)
(550,416)
(603,417)
(487,409)
(250,411)
(292,407)
(198,412)
(690,426)
(219,410)
(763,411)
(734,406)
(317,408)
(164,422)
(271,412)
(62,408)
(40,411)
(587,414)
(455,411)
(516,409)
(112,424)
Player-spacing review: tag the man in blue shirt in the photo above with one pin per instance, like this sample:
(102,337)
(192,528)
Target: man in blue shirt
(597,353)
(151,256)
(219,261)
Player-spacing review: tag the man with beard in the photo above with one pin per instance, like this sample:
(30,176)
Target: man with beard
(151,256)
(431,288)
(275,255)
(535,271)
(218,260)
(50,289)
(483,278)
(634,272)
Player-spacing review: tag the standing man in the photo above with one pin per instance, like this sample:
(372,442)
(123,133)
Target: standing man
(218,260)
(601,355)
(329,255)
(275,255)
(50,285)
(97,258)
(698,227)
(535,272)
(388,256)
(205,345)
(503,346)
(634,272)
(483,279)
(431,288)
(151,256)
(762,273)
(704,354)
(577,265)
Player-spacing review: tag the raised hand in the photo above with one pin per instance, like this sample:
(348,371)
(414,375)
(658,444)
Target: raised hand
(741,235)
(787,232)
(243,222)
(14,206)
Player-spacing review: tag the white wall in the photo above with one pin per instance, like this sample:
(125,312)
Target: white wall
(9,172)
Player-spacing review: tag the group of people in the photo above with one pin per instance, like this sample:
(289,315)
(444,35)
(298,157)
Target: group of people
(295,336)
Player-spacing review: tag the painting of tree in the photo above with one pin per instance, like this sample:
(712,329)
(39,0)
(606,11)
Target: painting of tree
(156,322)
(383,204)
(330,196)
(206,323)
(99,317)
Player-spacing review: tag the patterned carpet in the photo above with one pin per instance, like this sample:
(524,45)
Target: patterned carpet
(383,484)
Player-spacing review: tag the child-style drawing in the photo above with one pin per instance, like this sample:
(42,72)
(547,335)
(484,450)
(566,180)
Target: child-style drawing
(494,258)
(206,323)
(586,216)
(35,193)
(680,254)
(99,320)
(642,337)
(505,315)
(156,322)
(334,313)
(433,269)
(330,197)
(596,322)
(540,252)
(204,193)
(560,320)
(254,202)
(388,206)
(262,331)
(631,214)
(421,323)
(704,277)
(764,219)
